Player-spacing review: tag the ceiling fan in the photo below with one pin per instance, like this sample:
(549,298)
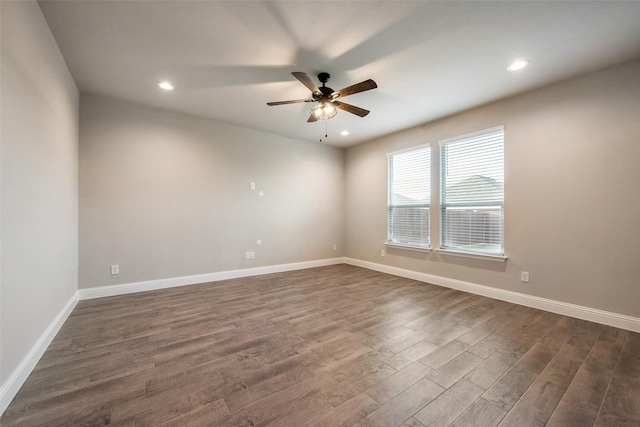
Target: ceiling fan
(327,97)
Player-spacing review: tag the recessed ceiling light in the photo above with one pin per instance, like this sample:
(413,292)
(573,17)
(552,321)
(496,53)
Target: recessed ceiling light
(165,85)
(344,133)
(518,65)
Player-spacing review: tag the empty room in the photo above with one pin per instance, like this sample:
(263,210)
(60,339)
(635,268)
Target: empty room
(320,213)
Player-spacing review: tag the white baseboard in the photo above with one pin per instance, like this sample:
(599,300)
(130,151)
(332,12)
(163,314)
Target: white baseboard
(10,388)
(580,312)
(150,285)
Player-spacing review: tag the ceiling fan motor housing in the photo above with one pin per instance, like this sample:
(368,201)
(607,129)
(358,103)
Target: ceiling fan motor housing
(326,91)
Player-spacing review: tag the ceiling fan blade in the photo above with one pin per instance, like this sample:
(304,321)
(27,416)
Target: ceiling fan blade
(351,108)
(305,80)
(295,101)
(312,118)
(356,88)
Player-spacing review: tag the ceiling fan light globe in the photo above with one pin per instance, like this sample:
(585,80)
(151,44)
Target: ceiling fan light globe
(324,111)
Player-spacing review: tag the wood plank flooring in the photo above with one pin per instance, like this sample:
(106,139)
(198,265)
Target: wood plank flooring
(330,346)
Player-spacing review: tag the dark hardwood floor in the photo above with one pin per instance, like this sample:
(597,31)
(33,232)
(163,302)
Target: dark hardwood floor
(331,346)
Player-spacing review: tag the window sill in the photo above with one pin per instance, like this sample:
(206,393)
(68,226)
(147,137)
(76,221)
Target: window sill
(486,257)
(408,247)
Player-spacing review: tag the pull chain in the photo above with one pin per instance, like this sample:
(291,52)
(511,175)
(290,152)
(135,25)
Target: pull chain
(325,130)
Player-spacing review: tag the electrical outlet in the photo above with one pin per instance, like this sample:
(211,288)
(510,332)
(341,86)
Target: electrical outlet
(524,276)
(247,255)
(115,269)
(252,255)
(335,247)
(382,252)
(253,185)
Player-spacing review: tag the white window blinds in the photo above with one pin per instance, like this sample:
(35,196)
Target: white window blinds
(409,194)
(472,192)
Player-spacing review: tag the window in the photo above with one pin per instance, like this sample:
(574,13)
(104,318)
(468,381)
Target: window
(472,192)
(408,197)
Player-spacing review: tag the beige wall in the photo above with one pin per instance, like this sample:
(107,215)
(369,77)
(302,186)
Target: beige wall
(167,195)
(572,204)
(39,176)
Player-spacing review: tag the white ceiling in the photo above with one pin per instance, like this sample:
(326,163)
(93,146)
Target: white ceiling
(429,59)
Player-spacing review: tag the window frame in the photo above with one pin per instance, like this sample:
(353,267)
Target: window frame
(459,250)
(412,245)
